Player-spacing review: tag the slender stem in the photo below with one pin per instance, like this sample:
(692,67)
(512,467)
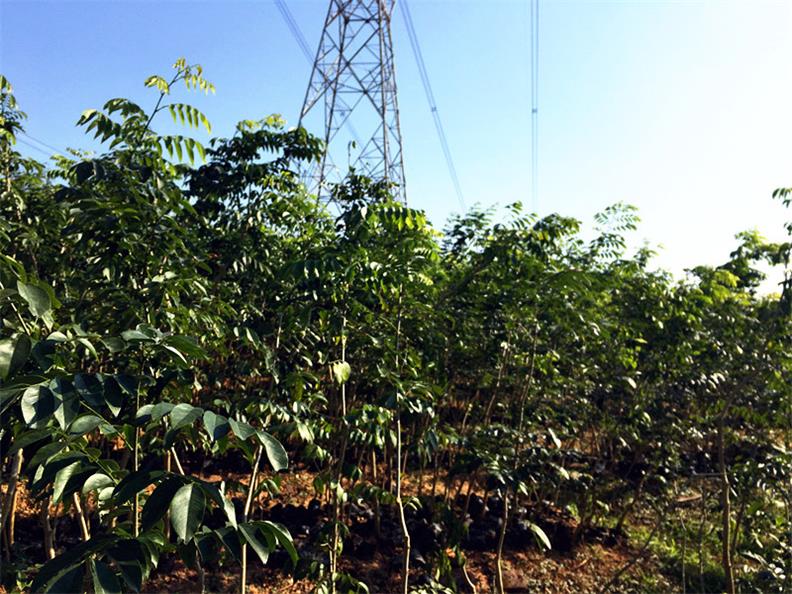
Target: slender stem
(399,501)
(246,511)
(86,534)
(334,551)
(9,505)
(684,551)
(641,553)
(136,467)
(179,467)
(499,587)
(49,533)
(726,558)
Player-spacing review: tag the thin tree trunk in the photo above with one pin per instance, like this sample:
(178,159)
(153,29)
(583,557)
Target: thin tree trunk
(245,512)
(399,502)
(402,517)
(168,466)
(701,535)
(377,513)
(494,396)
(135,467)
(8,511)
(726,558)
(334,551)
(499,587)
(634,560)
(86,533)
(684,551)
(49,533)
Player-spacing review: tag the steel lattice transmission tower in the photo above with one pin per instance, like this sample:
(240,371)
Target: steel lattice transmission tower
(354,73)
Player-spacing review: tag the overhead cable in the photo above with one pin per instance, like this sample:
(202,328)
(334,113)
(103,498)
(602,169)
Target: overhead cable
(295,29)
(298,36)
(416,48)
(534,103)
(41,142)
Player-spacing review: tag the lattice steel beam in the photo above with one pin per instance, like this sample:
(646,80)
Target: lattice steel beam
(353,86)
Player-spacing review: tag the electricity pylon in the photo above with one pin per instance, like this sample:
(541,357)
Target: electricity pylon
(353,73)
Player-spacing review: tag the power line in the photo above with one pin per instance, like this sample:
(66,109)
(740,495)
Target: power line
(41,142)
(299,37)
(534,103)
(34,147)
(416,48)
(295,29)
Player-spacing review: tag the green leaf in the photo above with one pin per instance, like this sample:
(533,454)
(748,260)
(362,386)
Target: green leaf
(135,336)
(159,501)
(219,497)
(114,344)
(63,476)
(13,354)
(230,539)
(90,388)
(144,414)
(184,414)
(241,429)
(160,410)
(85,424)
(135,483)
(217,426)
(105,580)
(281,533)
(38,406)
(67,403)
(63,563)
(70,581)
(186,345)
(28,438)
(131,558)
(276,454)
(187,509)
(95,482)
(113,394)
(38,299)
(341,372)
(252,534)
(541,536)
(180,358)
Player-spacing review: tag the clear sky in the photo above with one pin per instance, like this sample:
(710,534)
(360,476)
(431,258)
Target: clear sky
(681,108)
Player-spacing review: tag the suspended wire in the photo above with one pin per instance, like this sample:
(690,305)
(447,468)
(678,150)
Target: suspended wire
(416,48)
(295,29)
(41,142)
(34,147)
(534,104)
(297,33)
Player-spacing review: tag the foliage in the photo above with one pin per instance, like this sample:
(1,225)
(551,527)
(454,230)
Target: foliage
(168,305)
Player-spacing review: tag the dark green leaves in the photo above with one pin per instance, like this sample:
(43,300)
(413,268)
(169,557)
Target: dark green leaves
(38,299)
(14,352)
(38,405)
(263,537)
(97,481)
(184,414)
(187,509)
(85,424)
(341,372)
(104,579)
(275,452)
(62,478)
(159,501)
(55,569)
(134,483)
(216,425)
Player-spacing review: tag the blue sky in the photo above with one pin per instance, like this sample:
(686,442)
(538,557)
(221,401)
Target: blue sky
(681,108)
